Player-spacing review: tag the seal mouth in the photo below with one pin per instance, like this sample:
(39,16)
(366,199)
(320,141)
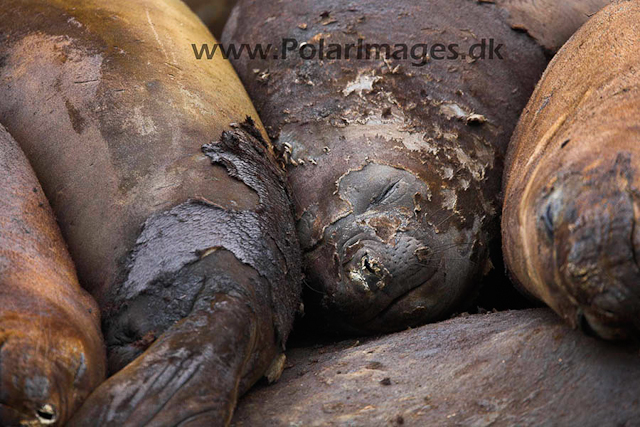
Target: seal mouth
(377,275)
(410,307)
(46,415)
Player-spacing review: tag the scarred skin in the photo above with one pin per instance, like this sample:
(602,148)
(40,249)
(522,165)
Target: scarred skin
(395,169)
(51,349)
(178,219)
(572,185)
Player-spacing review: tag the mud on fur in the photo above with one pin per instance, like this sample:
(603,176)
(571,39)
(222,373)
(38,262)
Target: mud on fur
(169,195)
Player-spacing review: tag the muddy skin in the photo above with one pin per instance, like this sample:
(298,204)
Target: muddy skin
(571,186)
(524,368)
(51,350)
(169,195)
(395,169)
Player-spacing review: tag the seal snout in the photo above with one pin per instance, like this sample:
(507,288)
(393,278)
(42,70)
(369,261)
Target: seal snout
(28,388)
(366,272)
(590,224)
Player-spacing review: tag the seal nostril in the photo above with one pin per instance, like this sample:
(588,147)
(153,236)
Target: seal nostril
(367,264)
(46,415)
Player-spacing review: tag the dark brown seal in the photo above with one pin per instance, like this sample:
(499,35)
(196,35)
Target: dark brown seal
(395,164)
(51,348)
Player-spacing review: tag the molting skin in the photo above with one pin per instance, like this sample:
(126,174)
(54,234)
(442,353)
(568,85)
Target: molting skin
(395,169)
(571,186)
(168,193)
(51,349)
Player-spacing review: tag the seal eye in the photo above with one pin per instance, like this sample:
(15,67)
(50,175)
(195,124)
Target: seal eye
(46,415)
(387,193)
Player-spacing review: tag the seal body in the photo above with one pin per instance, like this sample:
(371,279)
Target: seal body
(51,348)
(167,192)
(500,369)
(571,185)
(395,163)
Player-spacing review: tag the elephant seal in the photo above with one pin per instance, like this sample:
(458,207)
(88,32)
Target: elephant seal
(520,367)
(52,353)
(169,195)
(572,199)
(395,162)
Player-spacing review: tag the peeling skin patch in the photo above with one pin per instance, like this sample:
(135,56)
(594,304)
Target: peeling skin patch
(476,168)
(363,83)
(448,172)
(392,131)
(450,199)
(453,110)
(357,277)
(175,241)
(385,226)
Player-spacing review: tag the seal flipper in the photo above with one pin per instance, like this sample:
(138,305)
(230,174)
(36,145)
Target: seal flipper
(194,372)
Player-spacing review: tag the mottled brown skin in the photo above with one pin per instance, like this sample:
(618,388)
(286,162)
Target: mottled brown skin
(178,220)
(518,368)
(395,184)
(51,348)
(214,13)
(572,184)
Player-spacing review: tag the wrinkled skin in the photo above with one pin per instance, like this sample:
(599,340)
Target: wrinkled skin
(395,169)
(168,194)
(51,350)
(517,368)
(572,184)
(214,13)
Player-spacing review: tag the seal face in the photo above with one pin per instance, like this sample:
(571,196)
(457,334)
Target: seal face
(587,232)
(395,167)
(571,188)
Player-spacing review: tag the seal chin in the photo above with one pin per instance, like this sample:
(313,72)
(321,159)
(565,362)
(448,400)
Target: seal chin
(589,224)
